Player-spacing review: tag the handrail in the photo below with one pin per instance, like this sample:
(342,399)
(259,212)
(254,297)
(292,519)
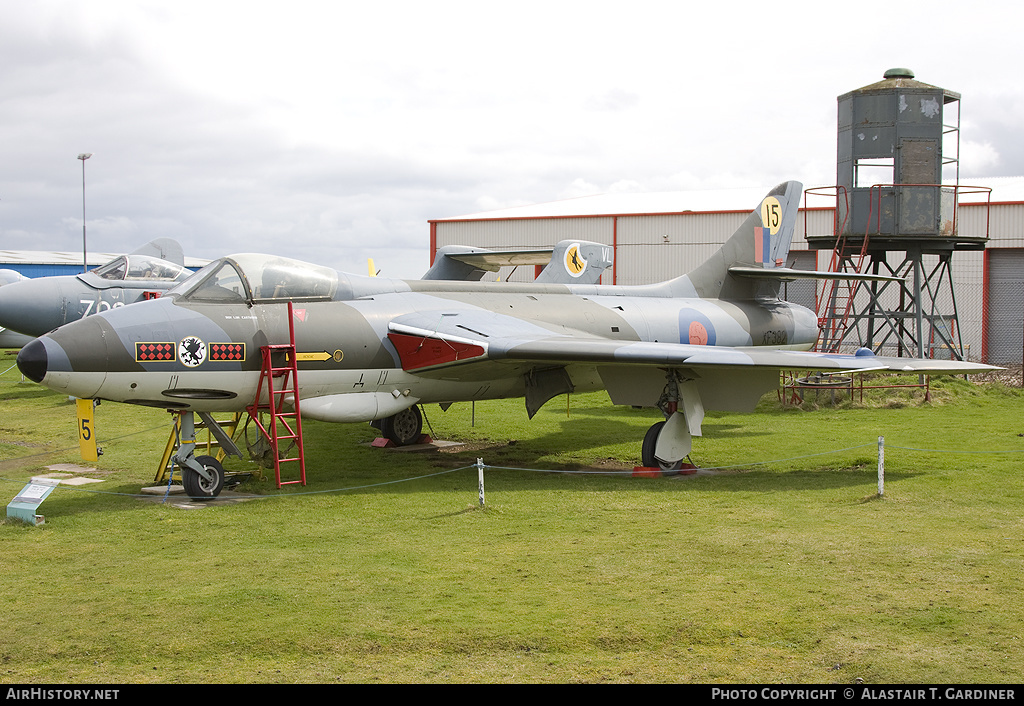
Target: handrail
(820,191)
(958,190)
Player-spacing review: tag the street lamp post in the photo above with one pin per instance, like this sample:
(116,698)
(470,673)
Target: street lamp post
(84,156)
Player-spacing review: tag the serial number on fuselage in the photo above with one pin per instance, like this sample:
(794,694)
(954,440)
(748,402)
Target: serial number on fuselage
(775,338)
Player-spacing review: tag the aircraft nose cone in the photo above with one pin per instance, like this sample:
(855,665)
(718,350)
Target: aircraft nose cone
(32,360)
(33,306)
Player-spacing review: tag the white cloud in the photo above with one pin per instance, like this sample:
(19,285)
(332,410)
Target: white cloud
(325,129)
(579,187)
(978,157)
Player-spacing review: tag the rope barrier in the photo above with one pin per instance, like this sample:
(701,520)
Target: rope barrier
(703,468)
(254,496)
(953,451)
(480,465)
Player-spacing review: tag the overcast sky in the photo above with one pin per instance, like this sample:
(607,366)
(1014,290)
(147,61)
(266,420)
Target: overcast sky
(333,130)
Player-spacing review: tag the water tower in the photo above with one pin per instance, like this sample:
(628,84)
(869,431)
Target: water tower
(897,193)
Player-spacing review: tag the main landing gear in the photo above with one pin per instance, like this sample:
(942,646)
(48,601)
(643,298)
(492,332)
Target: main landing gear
(404,428)
(667,444)
(674,451)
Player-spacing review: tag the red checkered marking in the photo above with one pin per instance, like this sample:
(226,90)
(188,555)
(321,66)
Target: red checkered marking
(149,352)
(227,351)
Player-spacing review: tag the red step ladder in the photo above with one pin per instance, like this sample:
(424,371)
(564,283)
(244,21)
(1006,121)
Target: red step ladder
(278,380)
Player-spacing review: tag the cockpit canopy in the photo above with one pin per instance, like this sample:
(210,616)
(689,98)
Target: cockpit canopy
(9,276)
(141,267)
(251,277)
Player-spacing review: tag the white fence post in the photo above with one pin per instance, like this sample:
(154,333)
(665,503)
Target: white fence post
(480,478)
(881,466)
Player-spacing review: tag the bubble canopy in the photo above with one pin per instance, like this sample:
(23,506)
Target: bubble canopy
(140,267)
(252,277)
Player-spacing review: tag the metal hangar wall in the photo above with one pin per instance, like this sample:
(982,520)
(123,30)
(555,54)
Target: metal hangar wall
(659,236)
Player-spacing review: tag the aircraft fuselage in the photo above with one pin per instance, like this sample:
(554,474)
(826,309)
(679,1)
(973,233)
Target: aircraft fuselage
(206,356)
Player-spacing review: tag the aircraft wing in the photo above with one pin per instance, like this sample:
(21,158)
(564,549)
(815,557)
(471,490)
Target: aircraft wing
(435,342)
(569,262)
(464,262)
(492,260)
(789,274)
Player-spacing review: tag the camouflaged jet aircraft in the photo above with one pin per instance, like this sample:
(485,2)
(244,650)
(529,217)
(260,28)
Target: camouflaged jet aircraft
(372,348)
(35,306)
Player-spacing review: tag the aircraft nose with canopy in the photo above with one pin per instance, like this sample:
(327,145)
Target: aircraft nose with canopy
(36,306)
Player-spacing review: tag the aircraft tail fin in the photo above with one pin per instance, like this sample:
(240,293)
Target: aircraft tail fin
(576,262)
(761,242)
(163,248)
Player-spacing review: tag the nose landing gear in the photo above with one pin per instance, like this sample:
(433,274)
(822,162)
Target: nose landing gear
(202,477)
(204,484)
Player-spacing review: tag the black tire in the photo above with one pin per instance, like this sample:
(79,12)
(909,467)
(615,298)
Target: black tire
(404,428)
(647,451)
(197,487)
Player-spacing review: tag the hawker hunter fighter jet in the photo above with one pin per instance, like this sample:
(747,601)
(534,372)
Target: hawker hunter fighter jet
(372,348)
(35,306)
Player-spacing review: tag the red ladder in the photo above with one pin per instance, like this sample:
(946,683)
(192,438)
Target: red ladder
(836,304)
(283,426)
(837,296)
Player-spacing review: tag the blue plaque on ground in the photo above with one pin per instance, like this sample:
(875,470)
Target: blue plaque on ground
(24,506)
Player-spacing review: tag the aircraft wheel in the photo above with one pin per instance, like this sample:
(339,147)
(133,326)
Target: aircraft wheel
(197,487)
(403,428)
(647,451)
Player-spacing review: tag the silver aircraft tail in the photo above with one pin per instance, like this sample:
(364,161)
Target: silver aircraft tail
(752,262)
(756,253)
(577,262)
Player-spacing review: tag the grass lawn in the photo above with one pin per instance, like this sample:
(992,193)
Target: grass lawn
(782,566)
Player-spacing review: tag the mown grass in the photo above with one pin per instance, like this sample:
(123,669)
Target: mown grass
(787,569)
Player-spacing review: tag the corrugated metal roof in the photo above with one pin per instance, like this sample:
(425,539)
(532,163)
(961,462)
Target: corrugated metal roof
(1004,189)
(631,203)
(55,257)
